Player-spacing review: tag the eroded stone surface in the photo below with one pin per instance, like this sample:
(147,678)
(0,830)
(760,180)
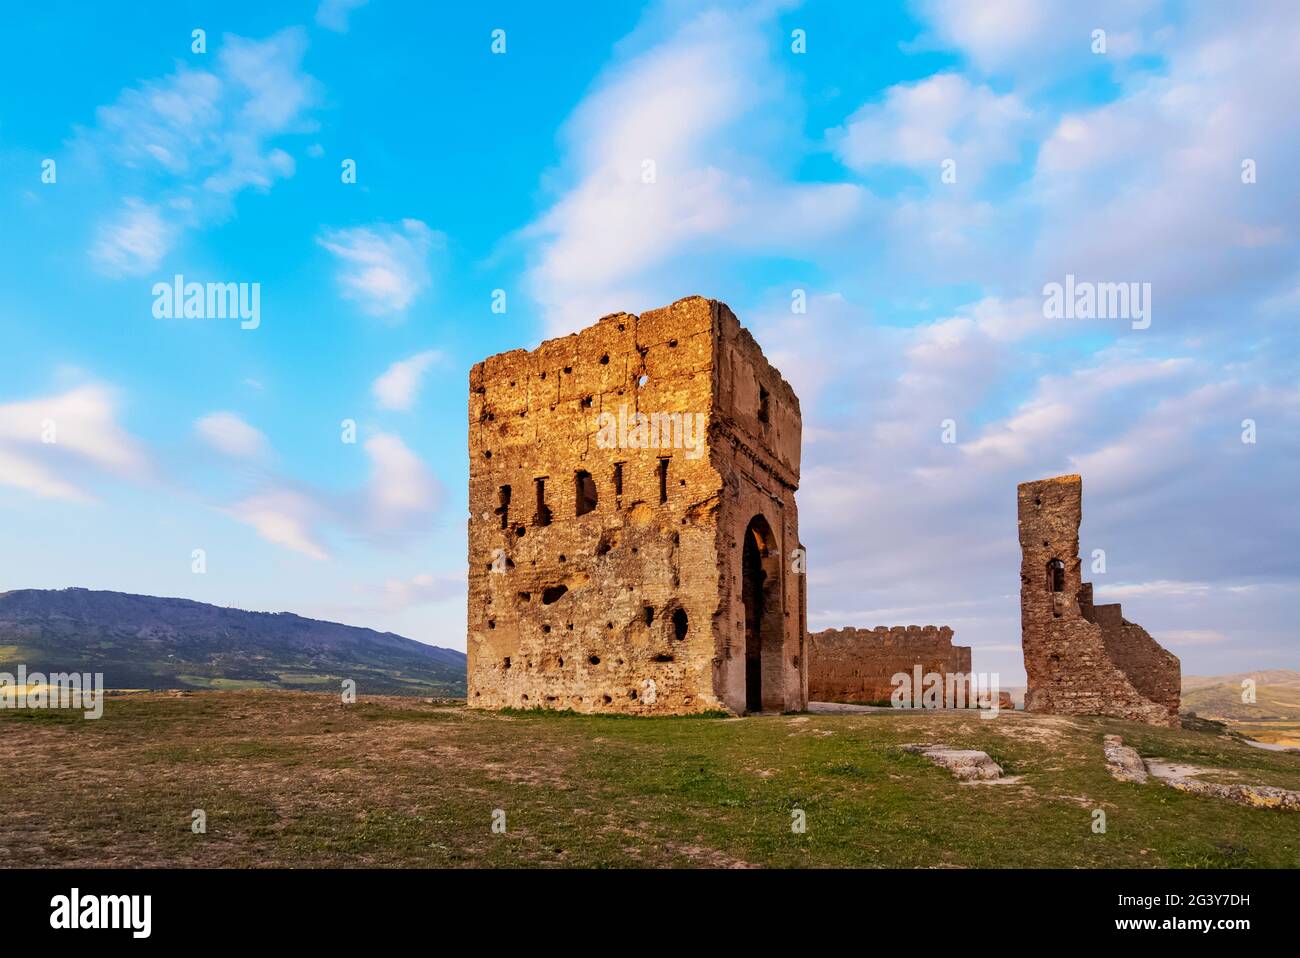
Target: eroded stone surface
(858,665)
(1182,777)
(1123,762)
(1081,658)
(654,573)
(965,764)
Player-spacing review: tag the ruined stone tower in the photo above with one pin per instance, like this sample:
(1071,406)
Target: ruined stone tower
(633,538)
(1080,658)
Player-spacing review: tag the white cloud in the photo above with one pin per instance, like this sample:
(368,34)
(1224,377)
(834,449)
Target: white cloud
(196,138)
(1031,38)
(283,517)
(921,124)
(333,14)
(86,440)
(134,242)
(422,589)
(227,433)
(383,267)
(700,106)
(400,383)
(401,488)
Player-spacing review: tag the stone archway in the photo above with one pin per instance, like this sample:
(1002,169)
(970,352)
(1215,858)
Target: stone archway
(764,632)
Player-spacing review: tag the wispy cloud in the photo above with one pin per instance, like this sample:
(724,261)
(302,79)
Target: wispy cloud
(922,124)
(133,242)
(333,14)
(383,267)
(659,172)
(195,139)
(57,447)
(400,383)
(229,434)
(285,518)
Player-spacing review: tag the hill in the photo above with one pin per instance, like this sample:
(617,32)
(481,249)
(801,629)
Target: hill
(146,642)
(1274,716)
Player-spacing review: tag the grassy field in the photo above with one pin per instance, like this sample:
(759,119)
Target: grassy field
(297,779)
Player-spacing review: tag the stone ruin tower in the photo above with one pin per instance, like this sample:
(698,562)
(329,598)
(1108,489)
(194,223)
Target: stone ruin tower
(1081,658)
(633,537)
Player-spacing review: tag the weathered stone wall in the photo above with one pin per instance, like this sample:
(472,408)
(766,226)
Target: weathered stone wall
(1081,658)
(858,665)
(604,576)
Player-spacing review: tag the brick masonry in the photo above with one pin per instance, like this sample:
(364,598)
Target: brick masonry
(620,566)
(1081,658)
(858,665)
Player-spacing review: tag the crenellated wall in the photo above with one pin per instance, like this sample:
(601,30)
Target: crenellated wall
(858,665)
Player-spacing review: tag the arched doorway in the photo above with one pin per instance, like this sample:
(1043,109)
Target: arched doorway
(761,596)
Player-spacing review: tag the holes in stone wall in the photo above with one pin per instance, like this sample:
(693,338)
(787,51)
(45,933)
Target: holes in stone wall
(584,491)
(663,657)
(492,623)
(546,629)
(618,478)
(503,506)
(1055,576)
(680,624)
(543,516)
(593,660)
(663,480)
(764,412)
(525,596)
(505,663)
(604,359)
(607,699)
(649,613)
(553,594)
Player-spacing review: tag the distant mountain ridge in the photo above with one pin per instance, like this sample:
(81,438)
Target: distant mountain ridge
(142,641)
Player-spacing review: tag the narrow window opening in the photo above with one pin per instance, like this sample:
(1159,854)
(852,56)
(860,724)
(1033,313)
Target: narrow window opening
(584,492)
(503,506)
(618,478)
(663,480)
(543,517)
(1056,576)
(649,614)
(680,624)
(763,412)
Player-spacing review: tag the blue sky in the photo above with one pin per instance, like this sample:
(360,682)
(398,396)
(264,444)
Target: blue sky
(776,171)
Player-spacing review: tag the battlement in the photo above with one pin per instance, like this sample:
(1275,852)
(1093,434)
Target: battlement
(858,665)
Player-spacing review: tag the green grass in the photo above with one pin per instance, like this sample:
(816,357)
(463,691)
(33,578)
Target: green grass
(298,779)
